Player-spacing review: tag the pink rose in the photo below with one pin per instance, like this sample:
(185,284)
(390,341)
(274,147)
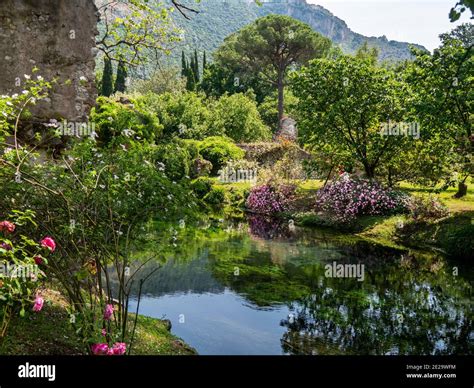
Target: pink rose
(39,301)
(119,349)
(48,243)
(100,349)
(108,312)
(38,260)
(104,332)
(7,226)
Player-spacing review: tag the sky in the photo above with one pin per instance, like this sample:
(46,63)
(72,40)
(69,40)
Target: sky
(413,21)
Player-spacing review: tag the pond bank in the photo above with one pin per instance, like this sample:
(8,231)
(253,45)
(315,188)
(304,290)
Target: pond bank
(451,235)
(50,333)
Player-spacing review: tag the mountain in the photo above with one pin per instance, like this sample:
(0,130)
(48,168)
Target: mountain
(219,18)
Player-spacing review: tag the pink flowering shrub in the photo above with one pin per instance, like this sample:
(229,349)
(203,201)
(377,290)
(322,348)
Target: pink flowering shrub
(270,199)
(20,261)
(347,198)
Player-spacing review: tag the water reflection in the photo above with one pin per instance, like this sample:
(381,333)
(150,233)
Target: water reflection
(263,290)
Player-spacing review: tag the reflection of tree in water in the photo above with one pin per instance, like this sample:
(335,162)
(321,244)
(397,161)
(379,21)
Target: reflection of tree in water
(393,312)
(268,228)
(173,277)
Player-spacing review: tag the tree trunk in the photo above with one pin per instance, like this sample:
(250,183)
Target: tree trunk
(369,171)
(281,99)
(462,190)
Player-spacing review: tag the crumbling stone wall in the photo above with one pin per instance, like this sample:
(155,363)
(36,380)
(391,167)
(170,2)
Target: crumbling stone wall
(58,37)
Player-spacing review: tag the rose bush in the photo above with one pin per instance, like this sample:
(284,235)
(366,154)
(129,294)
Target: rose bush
(20,272)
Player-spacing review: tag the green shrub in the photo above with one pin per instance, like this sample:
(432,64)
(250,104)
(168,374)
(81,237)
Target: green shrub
(174,159)
(237,117)
(192,146)
(427,208)
(215,197)
(202,186)
(219,150)
(116,122)
(183,115)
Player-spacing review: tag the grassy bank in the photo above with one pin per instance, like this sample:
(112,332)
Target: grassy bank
(452,235)
(50,333)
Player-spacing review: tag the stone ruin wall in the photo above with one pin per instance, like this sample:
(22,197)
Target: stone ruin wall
(57,37)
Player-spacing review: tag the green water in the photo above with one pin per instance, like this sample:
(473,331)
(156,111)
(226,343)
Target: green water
(262,287)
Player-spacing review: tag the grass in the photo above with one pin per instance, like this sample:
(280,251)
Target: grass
(50,333)
(455,205)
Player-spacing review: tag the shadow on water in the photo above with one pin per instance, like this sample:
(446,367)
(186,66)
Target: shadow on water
(264,288)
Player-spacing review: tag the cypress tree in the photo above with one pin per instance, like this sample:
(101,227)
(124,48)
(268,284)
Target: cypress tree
(204,62)
(121,78)
(184,65)
(107,79)
(191,82)
(196,67)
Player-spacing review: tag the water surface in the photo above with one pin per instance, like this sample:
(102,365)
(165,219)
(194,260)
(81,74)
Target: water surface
(261,288)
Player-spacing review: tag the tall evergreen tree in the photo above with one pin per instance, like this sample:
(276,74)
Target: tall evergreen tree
(204,62)
(196,67)
(121,78)
(107,79)
(184,65)
(191,79)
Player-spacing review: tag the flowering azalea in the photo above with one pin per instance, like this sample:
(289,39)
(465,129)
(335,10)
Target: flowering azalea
(48,243)
(7,226)
(347,198)
(108,312)
(268,199)
(39,301)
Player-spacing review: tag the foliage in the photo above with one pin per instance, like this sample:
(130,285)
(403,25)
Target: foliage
(120,79)
(219,150)
(347,198)
(216,197)
(183,115)
(164,80)
(174,159)
(95,202)
(117,123)
(202,186)
(459,8)
(21,260)
(424,208)
(135,31)
(268,109)
(269,47)
(342,106)
(444,102)
(218,80)
(237,117)
(107,79)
